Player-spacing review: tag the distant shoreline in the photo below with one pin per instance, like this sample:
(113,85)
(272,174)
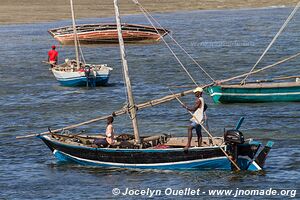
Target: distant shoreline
(35,11)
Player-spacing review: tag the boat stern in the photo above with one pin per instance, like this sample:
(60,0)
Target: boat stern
(247,154)
(252,155)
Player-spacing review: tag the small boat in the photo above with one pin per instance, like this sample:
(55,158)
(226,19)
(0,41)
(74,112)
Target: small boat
(107,33)
(277,89)
(67,74)
(76,73)
(255,92)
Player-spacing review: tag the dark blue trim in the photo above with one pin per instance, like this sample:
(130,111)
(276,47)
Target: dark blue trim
(82,81)
(219,163)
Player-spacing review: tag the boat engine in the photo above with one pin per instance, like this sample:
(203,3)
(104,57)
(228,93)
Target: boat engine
(233,138)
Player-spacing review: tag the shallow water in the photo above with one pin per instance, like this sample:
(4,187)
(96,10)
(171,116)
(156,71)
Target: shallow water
(226,43)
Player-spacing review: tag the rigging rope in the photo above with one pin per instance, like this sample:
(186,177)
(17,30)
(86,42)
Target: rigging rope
(208,133)
(137,3)
(147,13)
(81,52)
(274,39)
(259,70)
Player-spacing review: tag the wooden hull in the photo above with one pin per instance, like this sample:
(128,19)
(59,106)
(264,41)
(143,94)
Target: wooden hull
(79,79)
(256,92)
(107,33)
(210,157)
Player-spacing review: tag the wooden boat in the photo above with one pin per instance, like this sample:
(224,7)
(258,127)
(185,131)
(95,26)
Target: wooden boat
(274,90)
(255,92)
(76,73)
(67,74)
(107,33)
(155,151)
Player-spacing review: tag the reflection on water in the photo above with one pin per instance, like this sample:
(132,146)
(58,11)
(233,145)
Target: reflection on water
(226,43)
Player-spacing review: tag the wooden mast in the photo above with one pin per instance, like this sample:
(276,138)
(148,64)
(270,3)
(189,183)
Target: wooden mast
(75,34)
(131,106)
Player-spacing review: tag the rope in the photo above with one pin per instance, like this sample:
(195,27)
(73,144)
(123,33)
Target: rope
(259,70)
(137,3)
(209,134)
(124,83)
(274,39)
(81,52)
(125,87)
(147,13)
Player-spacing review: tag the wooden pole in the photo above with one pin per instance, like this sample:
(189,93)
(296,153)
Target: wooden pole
(75,35)
(140,106)
(132,108)
(228,157)
(116,113)
(286,77)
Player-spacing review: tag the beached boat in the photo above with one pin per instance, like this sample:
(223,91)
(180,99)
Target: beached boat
(155,151)
(255,92)
(107,33)
(76,73)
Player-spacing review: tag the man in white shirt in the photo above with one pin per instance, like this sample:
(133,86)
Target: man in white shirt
(198,115)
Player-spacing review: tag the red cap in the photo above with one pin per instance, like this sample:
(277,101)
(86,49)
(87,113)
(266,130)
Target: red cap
(53,46)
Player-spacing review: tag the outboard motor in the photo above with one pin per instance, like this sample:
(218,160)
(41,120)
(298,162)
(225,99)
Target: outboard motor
(232,138)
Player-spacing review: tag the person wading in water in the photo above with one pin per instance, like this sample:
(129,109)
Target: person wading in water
(52,56)
(198,117)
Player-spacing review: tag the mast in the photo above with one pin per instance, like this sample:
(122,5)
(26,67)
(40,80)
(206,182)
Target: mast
(75,34)
(132,108)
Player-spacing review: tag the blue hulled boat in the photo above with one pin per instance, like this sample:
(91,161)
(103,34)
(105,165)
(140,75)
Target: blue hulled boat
(89,75)
(161,152)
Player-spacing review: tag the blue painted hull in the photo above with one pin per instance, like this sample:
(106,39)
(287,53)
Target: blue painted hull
(220,163)
(82,81)
(205,158)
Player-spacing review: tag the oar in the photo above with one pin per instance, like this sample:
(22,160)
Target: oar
(234,163)
(54,65)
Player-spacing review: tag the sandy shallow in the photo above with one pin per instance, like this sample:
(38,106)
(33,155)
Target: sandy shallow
(29,11)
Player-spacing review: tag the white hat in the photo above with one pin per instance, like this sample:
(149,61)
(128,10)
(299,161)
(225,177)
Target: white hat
(198,89)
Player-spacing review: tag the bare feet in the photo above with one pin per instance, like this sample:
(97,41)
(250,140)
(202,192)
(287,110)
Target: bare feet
(186,148)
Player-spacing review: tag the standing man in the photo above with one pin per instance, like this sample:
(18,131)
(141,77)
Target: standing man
(198,116)
(52,56)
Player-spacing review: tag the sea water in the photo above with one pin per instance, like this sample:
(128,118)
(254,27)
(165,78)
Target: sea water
(225,43)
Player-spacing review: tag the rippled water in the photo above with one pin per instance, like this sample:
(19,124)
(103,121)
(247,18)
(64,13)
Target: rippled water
(226,43)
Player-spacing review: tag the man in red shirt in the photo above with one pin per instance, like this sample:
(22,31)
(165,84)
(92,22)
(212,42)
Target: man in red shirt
(52,56)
